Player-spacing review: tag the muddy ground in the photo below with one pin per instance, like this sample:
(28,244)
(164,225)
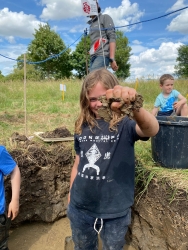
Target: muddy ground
(43,236)
(40,236)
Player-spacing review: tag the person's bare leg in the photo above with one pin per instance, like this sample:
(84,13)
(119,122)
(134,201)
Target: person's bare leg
(183,111)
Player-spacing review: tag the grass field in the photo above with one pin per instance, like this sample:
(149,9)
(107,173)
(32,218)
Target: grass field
(44,109)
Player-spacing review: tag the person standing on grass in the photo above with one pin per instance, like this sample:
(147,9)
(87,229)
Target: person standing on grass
(169,99)
(102,177)
(103,44)
(8,166)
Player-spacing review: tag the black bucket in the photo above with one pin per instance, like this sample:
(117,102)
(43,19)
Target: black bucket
(170,145)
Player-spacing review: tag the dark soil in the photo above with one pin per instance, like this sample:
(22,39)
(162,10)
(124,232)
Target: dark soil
(57,133)
(31,153)
(45,176)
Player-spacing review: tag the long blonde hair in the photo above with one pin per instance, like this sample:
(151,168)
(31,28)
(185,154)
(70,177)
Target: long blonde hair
(108,80)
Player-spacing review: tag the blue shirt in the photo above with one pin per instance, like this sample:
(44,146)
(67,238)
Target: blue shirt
(166,103)
(7,164)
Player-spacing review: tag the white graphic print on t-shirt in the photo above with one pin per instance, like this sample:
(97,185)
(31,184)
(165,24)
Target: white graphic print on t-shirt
(93,154)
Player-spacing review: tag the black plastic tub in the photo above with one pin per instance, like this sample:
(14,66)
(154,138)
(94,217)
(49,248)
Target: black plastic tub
(170,145)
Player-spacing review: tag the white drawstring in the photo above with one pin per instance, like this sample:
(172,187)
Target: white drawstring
(100,226)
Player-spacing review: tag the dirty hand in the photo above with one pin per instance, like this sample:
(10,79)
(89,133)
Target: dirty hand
(125,93)
(13,209)
(114,66)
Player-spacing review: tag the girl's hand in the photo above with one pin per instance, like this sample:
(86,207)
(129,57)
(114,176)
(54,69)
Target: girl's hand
(125,93)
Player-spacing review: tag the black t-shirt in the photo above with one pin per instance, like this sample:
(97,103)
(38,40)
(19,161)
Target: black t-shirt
(104,184)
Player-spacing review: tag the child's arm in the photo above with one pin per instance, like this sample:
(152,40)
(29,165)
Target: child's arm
(74,173)
(182,100)
(13,208)
(147,125)
(154,111)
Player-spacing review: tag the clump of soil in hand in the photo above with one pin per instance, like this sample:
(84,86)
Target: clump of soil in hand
(57,133)
(125,110)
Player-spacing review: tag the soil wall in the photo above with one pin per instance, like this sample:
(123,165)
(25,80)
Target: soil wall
(157,223)
(45,176)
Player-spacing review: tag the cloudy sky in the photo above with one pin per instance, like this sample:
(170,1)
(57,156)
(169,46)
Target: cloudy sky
(154,44)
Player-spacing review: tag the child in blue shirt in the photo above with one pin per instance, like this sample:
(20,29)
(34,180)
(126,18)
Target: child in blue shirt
(169,99)
(8,166)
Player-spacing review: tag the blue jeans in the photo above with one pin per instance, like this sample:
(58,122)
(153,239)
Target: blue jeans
(86,238)
(97,62)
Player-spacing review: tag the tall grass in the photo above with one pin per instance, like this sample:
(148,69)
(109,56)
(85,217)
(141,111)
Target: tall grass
(45,109)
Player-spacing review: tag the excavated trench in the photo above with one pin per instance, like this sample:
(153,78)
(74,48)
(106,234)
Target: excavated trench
(157,223)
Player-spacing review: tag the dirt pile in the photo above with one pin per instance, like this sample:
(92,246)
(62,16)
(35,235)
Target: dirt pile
(45,171)
(57,133)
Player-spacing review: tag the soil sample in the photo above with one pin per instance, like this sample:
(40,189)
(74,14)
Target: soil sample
(57,133)
(125,110)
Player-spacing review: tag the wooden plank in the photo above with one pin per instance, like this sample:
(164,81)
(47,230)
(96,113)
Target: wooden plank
(37,134)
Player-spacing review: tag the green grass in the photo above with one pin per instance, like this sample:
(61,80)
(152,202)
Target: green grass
(148,170)
(45,111)
(45,108)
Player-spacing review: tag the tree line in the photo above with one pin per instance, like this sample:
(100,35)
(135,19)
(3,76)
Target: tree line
(64,63)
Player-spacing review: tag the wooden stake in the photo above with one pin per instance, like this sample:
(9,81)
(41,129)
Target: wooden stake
(25,98)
